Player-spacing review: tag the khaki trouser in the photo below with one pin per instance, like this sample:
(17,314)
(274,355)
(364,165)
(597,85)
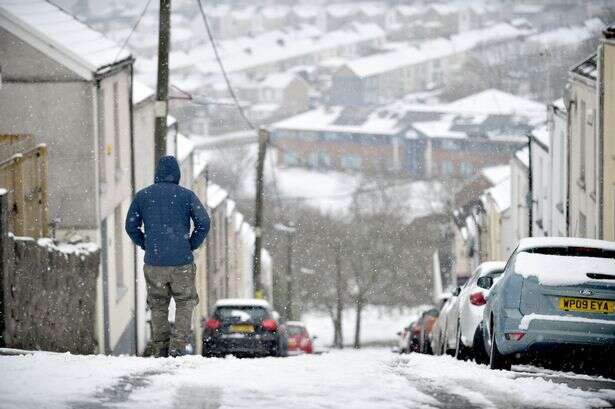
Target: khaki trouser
(164,282)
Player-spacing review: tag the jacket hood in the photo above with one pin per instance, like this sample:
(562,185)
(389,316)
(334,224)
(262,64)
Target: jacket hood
(167,170)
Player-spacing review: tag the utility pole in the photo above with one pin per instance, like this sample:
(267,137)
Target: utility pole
(339,306)
(289,230)
(530,193)
(263,139)
(289,274)
(162,89)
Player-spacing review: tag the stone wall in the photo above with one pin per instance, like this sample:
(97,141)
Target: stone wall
(50,295)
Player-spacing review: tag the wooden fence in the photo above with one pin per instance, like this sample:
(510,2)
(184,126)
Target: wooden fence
(23,173)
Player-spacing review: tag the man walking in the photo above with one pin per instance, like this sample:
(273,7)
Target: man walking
(165,210)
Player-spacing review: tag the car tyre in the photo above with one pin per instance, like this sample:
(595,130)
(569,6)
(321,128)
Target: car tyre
(496,359)
(462,352)
(478,347)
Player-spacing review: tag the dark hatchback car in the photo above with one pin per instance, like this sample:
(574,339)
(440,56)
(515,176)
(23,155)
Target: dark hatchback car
(243,327)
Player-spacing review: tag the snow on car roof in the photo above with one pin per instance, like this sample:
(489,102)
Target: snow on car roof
(242,302)
(295,323)
(490,266)
(539,242)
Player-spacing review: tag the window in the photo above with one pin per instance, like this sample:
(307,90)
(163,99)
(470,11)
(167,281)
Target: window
(290,159)
(447,168)
(119,251)
(351,162)
(116,128)
(466,169)
(582,142)
(324,159)
(313,160)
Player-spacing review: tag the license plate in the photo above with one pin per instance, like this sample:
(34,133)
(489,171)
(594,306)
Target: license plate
(244,329)
(586,305)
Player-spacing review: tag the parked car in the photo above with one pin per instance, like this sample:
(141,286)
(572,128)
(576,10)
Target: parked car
(465,331)
(438,336)
(409,338)
(425,325)
(299,340)
(555,295)
(243,327)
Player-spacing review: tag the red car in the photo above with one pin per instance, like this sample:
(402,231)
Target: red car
(299,340)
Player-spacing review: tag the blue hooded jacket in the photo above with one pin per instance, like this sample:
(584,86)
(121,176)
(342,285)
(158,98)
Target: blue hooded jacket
(165,210)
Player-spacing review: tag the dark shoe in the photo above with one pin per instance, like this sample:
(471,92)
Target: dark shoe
(162,353)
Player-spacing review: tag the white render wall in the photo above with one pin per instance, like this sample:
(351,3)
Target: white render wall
(559,170)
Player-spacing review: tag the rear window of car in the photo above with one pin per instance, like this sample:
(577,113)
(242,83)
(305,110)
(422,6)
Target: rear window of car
(573,252)
(293,330)
(242,313)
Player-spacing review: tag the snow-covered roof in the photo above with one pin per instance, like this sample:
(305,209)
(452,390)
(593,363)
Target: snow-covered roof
(523,155)
(245,53)
(60,36)
(541,134)
(501,194)
(495,102)
(140,91)
(185,147)
(242,302)
(567,36)
(538,242)
(215,195)
(496,174)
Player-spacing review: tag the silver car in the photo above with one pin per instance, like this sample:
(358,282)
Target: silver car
(556,294)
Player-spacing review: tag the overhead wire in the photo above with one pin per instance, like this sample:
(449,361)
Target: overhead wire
(229,86)
(132,30)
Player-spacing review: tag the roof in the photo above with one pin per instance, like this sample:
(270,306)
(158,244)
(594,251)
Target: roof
(490,266)
(523,155)
(496,174)
(60,36)
(495,102)
(242,302)
(140,92)
(588,68)
(568,36)
(539,242)
(541,135)
(215,195)
(501,194)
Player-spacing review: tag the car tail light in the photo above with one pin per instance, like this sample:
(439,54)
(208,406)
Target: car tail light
(514,336)
(213,324)
(477,298)
(269,325)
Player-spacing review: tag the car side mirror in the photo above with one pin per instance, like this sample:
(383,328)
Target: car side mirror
(456,291)
(314,337)
(485,282)
(399,333)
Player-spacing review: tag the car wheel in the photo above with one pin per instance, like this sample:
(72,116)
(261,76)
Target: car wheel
(478,348)
(496,359)
(462,352)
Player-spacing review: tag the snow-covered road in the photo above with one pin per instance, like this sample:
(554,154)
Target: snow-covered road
(370,379)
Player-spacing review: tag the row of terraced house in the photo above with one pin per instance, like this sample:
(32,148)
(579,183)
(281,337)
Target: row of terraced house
(562,183)
(72,89)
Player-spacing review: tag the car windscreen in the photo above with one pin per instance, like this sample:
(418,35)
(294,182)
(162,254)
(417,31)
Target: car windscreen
(293,330)
(241,313)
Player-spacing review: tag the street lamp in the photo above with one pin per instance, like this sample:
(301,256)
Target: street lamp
(289,230)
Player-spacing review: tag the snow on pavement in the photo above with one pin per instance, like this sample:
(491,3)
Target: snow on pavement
(372,378)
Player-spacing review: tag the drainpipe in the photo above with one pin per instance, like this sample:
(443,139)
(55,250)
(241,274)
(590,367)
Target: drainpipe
(530,193)
(133,191)
(600,142)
